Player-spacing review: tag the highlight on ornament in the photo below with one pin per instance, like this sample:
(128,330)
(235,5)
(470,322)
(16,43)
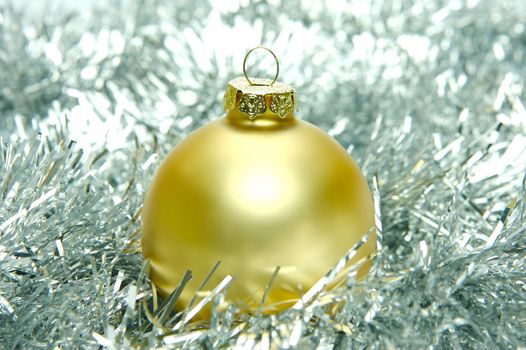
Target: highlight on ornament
(258,202)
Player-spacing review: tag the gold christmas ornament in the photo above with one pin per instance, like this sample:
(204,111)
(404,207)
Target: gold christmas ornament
(255,189)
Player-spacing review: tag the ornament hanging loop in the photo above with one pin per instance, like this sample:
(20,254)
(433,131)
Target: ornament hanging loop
(245,66)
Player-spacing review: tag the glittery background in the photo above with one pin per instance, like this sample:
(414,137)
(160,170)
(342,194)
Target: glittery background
(427,96)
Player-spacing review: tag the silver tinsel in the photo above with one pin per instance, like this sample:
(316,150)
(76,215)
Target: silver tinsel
(427,96)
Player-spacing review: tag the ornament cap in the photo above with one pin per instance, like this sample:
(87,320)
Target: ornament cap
(278,99)
(259,96)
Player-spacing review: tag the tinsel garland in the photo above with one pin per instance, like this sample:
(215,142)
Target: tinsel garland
(427,96)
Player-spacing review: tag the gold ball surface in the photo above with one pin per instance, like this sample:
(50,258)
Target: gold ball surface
(255,195)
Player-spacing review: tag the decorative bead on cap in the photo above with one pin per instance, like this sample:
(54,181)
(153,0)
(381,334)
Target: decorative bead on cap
(258,96)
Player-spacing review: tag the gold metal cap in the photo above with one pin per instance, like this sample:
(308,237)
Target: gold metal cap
(258,96)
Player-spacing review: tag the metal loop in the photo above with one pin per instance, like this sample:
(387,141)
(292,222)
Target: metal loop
(245,66)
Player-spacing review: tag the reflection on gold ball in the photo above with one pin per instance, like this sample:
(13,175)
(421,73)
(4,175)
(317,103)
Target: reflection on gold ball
(255,194)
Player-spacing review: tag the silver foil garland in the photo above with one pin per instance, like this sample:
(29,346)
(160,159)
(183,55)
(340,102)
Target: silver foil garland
(427,96)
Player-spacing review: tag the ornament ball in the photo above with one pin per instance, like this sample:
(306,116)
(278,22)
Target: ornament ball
(255,189)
